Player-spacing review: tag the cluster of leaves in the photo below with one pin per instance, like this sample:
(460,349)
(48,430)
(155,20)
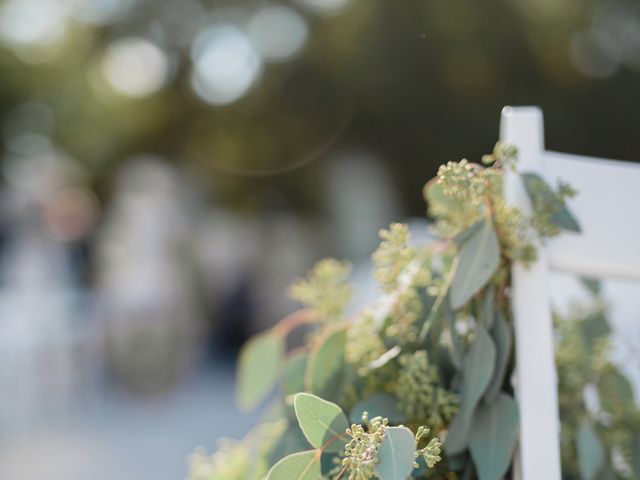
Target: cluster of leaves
(432,354)
(600,438)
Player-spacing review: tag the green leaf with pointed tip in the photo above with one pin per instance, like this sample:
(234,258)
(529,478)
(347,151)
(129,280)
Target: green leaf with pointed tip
(396,454)
(258,368)
(501,334)
(591,456)
(326,363)
(615,392)
(294,370)
(297,466)
(322,422)
(378,405)
(478,258)
(478,367)
(492,437)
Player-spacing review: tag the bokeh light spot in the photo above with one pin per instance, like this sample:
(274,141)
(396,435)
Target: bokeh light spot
(225,64)
(135,67)
(278,32)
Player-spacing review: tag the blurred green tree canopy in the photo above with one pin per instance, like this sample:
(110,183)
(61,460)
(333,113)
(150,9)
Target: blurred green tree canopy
(416,82)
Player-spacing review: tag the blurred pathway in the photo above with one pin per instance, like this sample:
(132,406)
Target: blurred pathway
(129,438)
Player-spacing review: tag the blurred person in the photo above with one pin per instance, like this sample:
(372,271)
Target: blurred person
(146,278)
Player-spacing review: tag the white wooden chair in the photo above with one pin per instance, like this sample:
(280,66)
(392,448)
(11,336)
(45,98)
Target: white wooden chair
(608,247)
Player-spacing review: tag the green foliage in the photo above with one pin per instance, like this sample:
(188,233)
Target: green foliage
(478,259)
(297,466)
(323,423)
(258,370)
(397,454)
(592,436)
(493,437)
(325,290)
(432,354)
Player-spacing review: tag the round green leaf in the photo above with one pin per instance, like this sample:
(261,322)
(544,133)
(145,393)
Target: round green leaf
(396,454)
(323,423)
(297,466)
(492,437)
(325,366)
(258,368)
(478,259)
(378,405)
(590,452)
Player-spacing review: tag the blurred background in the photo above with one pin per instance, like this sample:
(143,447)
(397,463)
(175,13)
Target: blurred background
(167,168)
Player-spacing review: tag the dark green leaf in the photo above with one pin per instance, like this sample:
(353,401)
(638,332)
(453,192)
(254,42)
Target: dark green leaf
(258,368)
(323,423)
(378,405)
(487,313)
(492,438)
(325,367)
(501,334)
(457,348)
(594,326)
(477,260)
(297,466)
(291,441)
(590,452)
(396,454)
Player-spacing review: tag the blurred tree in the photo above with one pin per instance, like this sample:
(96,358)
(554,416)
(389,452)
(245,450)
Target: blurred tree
(255,95)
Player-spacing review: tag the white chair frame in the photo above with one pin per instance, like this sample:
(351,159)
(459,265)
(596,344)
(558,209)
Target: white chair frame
(608,247)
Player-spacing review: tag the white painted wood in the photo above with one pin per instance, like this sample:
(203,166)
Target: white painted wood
(536,385)
(607,247)
(607,209)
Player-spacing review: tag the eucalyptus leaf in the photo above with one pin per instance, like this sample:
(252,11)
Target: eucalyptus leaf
(487,313)
(325,367)
(297,466)
(594,326)
(478,367)
(457,348)
(378,405)
(492,438)
(591,456)
(396,454)
(503,339)
(294,370)
(478,259)
(615,392)
(323,423)
(258,368)
(291,441)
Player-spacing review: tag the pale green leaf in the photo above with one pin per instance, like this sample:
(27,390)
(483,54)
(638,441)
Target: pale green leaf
(478,367)
(297,466)
(396,454)
(325,367)
(478,259)
(501,334)
(591,456)
(492,437)
(294,371)
(323,423)
(258,368)
(378,405)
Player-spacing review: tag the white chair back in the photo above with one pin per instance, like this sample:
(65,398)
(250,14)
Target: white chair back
(607,247)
